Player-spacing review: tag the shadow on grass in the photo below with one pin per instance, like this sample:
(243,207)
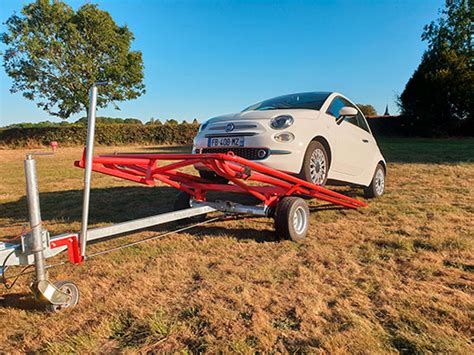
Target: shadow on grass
(24,301)
(108,205)
(328,207)
(119,204)
(260,236)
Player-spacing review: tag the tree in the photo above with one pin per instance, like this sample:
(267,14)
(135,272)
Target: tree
(132,121)
(100,120)
(171,122)
(154,121)
(439,97)
(367,110)
(54,54)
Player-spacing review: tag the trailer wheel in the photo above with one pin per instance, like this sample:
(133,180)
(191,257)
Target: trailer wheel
(72,290)
(292,218)
(183,201)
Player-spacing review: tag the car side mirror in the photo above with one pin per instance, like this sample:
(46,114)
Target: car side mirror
(344,112)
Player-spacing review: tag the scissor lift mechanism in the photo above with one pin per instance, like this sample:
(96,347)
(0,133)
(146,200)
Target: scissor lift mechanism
(277,191)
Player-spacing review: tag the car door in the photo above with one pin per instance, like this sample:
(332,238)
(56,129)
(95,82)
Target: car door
(353,152)
(370,145)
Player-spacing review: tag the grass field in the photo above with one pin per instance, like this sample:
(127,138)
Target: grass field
(395,276)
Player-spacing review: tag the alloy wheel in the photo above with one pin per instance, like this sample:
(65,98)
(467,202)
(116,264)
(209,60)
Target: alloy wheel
(317,166)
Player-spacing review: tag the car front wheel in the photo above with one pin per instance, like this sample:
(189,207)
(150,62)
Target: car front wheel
(315,164)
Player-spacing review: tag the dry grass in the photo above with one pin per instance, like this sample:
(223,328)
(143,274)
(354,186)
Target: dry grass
(396,276)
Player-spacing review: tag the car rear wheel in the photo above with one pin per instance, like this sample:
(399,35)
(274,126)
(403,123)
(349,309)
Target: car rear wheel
(315,164)
(377,186)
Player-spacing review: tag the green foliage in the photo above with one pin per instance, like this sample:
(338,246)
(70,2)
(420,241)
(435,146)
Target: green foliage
(100,120)
(171,122)
(367,110)
(452,29)
(54,54)
(439,97)
(132,121)
(38,124)
(154,121)
(110,134)
(82,121)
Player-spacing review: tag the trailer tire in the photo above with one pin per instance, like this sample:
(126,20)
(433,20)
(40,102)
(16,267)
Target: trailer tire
(72,290)
(213,177)
(291,219)
(183,201)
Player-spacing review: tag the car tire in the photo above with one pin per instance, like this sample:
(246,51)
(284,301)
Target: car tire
(377,185)
(315,164)
(182,202)
(291,219)
(212,176)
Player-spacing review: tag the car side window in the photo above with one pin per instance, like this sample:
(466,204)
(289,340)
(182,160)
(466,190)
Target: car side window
(362,123)
(339,103)
(336,105)
(352,120)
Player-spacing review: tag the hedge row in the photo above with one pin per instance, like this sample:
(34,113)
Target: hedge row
(116,134)
(403,126)
(123,134)
(387,126)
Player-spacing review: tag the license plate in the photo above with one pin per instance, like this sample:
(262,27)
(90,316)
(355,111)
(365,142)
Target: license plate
(225,142)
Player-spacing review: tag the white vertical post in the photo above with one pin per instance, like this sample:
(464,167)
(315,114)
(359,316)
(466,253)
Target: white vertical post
(88,168)
(34,213)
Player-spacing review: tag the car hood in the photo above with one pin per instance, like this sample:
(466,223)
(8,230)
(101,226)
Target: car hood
(264,115)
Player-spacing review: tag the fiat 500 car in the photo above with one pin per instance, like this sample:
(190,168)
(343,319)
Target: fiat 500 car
(320,136)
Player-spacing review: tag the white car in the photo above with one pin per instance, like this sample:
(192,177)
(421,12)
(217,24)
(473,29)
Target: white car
(320,136)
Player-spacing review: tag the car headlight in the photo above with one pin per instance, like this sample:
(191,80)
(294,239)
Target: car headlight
(281,122)
(284,137)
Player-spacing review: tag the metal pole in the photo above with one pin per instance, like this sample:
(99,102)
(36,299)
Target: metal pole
(88,168)
(34,212)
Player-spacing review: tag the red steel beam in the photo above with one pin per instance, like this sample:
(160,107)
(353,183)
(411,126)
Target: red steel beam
(144,169)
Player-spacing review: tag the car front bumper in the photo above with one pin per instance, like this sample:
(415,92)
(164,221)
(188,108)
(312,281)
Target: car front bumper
(287,157)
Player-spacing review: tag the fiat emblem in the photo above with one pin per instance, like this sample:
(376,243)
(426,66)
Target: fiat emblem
(230,127)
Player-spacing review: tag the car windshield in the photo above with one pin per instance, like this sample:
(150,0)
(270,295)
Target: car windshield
(307,100)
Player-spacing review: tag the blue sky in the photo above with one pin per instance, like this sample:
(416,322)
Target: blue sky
(205,58)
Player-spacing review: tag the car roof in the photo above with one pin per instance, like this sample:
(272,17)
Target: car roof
(327,93)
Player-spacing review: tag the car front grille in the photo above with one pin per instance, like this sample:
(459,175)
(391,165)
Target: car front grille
(247,153)
(238,126)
